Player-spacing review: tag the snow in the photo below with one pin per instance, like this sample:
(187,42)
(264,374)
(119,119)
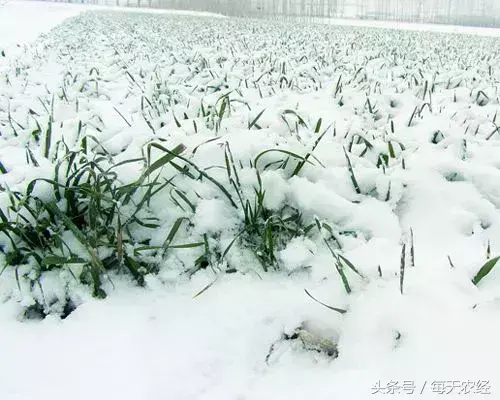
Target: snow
(40,18)
(157,343)
(411,26)
(172,340)
(36,19)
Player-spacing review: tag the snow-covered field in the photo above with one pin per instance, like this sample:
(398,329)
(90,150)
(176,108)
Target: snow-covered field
(212,177)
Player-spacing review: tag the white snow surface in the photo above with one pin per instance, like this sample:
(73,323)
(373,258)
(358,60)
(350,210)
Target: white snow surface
(162,343)
(412,26)
(22,21)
